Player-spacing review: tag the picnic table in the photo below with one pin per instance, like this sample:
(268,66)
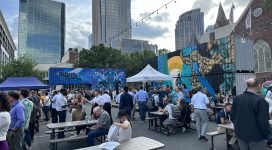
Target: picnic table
(138,143)
(54,126)
(114,105)
(156,115)
(230,127)
(216,109)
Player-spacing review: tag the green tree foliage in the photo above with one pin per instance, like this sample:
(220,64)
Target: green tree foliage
(162,51)
(21,67)
(268,4)
(106,57)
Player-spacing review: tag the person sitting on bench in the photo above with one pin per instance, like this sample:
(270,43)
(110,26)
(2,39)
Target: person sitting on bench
(102,126)
(169,122)
(223,117)
(122,130)
(79,115)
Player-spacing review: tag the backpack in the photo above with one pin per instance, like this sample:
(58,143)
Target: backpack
(175,111)
(150,103)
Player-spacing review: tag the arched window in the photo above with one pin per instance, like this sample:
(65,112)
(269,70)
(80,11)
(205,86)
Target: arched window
(263,56)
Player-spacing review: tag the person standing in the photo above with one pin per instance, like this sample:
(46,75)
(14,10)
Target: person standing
(61,107)
(4,120)
(142,98)
(250,117)
(173,95)
(54,113)
(131,92)
(186,93)
(106,100)
(28,105)
(199,103)
(96,101)
(16,131)
(46,106)
(268,98)
(126,102)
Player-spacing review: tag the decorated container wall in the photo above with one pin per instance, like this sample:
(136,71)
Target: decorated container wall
(210,65)
(244,54)
(98,78)
(240,79)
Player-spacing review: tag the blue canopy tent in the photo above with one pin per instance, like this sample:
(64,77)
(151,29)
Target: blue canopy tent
(15,83)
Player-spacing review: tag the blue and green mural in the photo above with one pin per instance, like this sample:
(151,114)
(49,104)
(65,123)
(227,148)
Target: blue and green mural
(210,65)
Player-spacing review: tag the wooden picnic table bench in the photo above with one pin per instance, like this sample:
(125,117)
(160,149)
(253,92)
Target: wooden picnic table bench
(54,126)
(138,143)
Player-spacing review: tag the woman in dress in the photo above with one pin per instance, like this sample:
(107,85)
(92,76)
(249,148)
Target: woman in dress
(4,120)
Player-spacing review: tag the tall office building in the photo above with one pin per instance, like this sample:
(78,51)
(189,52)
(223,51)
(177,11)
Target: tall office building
(111,17)
(42,30)
(90,41)
(189,27)
(7,45)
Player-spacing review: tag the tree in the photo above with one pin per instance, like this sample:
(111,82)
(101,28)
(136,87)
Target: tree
(99,57)
(162,51)
(106,57)
(21,67)
(267,4)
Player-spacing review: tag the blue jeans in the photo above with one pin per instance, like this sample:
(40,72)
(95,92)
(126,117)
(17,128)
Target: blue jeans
(96,133)
(142,109)
(46,111)
(62,118)
(27,139)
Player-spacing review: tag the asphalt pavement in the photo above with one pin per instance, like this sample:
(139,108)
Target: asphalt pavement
(178,141)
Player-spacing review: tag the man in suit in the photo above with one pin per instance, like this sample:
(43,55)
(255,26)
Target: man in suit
(250,117)
(126,102)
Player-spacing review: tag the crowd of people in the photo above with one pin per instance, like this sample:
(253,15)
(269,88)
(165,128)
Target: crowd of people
(21,112)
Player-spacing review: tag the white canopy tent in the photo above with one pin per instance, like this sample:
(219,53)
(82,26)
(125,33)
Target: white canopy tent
(149,74)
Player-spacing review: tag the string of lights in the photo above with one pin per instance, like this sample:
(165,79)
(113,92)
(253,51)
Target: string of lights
(148,16)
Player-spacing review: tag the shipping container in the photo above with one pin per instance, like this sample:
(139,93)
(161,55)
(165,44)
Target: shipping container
(244,54)
(240,79)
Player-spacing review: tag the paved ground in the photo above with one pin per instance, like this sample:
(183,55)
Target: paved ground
(179,141)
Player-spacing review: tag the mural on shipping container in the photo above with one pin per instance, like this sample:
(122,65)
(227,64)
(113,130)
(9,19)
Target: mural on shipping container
(98,78)
(210,65)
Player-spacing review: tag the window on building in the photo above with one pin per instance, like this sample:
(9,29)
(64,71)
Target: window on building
(263,56)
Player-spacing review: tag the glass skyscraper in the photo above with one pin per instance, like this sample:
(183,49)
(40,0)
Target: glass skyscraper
(42,30)
(111,18)
(189,27)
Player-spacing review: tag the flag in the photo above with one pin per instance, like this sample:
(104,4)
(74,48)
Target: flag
(248,20)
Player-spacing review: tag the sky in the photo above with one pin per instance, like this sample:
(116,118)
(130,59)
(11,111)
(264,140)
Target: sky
(159,29)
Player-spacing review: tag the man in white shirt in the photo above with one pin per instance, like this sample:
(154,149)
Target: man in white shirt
(46,106)
(97,100)
(54,114)
(106,100)
(199,102)
(61,107)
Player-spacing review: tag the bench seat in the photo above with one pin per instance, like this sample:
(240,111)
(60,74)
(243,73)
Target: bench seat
(213,134)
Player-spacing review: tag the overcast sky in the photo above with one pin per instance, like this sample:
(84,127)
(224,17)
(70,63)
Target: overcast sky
(159,29)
